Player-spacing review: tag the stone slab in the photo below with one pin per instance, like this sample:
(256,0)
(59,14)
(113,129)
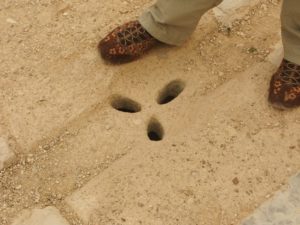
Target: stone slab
(147,186)
(6,154)
(282,209)
(46,216)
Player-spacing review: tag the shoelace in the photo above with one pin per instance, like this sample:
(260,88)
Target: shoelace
(133,35)
(290,73)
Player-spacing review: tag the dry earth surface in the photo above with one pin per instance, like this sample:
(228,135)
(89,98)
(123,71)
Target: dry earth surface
(224,149)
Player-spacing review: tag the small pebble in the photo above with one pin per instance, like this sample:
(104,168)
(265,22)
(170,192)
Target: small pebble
(10,20)
(235,181)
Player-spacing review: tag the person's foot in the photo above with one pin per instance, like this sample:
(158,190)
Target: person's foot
(126,43)
(285,86)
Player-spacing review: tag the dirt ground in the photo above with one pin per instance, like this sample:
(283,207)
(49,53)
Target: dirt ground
(224,152)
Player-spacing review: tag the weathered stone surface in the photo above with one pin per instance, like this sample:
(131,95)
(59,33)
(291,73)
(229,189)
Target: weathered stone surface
(46,216)
(145,185)
(283,209)
(5,153)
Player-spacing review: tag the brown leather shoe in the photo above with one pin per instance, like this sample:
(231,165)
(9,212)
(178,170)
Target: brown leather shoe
(285,86)
(126,43)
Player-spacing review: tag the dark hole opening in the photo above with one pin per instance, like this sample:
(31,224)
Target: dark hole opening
(153,136)
(126,110)
(125,105)
(155,131)
(170,92)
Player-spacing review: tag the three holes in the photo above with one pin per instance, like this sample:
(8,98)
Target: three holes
(155,130)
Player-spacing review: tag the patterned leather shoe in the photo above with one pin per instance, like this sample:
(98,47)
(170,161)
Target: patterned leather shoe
(126,43)
(285,86)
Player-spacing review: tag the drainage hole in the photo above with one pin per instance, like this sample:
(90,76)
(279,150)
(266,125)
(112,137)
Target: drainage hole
(155,130)
(170,92)
(126,105)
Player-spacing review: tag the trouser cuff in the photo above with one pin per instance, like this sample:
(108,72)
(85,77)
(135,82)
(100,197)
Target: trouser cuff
(167,34)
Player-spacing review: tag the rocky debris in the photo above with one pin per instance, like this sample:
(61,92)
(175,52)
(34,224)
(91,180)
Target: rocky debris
(226,12)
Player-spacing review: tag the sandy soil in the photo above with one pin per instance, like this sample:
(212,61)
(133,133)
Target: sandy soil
(224,151)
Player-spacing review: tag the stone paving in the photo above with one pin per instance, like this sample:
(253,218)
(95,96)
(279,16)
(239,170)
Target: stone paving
(99,200)
(282,209)
(30,130)
(115,188)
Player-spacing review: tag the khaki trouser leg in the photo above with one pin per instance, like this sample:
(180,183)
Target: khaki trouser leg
(290,18)
(173,21)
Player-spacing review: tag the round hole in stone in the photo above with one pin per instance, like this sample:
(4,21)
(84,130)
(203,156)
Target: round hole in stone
(124,104)
(155,130)
(170,92)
